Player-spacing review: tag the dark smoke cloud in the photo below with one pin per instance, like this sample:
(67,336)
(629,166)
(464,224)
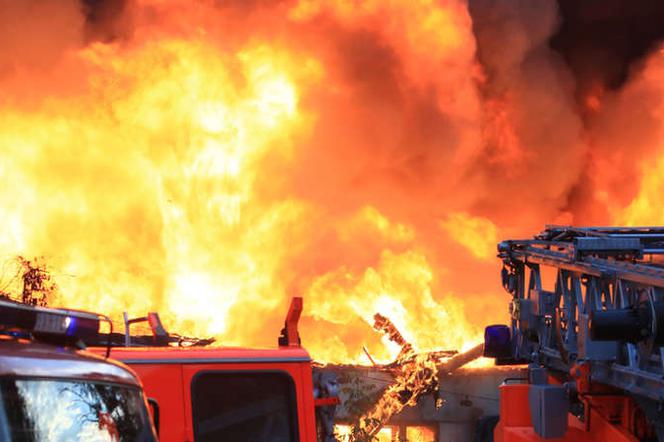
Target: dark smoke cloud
(533,130)
(107,20)
(602,40)
(574,67)
(605,45)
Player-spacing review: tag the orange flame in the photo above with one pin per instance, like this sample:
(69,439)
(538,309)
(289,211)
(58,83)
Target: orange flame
(158,176)
(209,160)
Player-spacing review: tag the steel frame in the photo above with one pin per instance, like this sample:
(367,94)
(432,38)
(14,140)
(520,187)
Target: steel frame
(599,268)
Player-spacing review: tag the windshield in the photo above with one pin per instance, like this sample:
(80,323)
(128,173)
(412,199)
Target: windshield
(36,410)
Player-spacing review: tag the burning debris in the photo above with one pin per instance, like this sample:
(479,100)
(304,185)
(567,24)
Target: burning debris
(31,283)
(383,324)
(414,375)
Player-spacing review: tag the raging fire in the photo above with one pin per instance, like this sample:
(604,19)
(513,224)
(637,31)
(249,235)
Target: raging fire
(209,160)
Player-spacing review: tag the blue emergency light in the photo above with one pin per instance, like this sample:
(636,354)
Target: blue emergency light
(58,324)
(497,341)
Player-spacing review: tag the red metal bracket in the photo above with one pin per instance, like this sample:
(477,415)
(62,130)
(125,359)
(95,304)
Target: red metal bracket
(327,401)
(290,337)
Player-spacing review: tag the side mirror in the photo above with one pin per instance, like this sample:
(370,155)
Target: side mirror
(154,410)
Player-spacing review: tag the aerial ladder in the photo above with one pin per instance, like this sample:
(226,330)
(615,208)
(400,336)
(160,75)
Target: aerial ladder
(587,317)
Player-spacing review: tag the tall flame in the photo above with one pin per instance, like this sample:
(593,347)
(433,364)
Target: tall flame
(210,160)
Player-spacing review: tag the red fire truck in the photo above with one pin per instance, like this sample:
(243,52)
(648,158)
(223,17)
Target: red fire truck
(52,390)
(232,394)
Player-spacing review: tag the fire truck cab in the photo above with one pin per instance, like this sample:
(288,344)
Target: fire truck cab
(233,394)
(51,390)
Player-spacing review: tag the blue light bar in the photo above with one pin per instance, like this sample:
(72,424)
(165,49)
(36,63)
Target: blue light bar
(66,324)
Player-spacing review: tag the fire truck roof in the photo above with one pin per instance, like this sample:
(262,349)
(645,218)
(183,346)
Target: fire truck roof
(24,358)
(195,355)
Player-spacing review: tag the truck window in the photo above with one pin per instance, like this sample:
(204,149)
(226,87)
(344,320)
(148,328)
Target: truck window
(39,410)
(252,407)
